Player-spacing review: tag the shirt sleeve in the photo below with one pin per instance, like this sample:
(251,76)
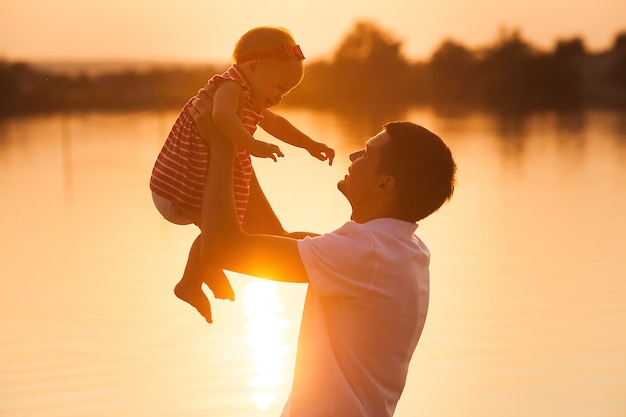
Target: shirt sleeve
(340,263)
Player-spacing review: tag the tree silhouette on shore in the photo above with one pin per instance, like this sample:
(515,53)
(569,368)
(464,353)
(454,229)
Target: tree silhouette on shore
(368,68)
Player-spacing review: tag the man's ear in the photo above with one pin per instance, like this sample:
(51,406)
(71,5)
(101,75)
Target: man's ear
(386,183)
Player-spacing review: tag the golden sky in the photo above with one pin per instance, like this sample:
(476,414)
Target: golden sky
(206,30)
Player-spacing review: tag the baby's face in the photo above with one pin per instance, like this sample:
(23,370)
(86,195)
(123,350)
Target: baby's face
(273,79)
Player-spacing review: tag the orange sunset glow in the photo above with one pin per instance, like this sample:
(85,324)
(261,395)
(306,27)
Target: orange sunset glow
(526,274)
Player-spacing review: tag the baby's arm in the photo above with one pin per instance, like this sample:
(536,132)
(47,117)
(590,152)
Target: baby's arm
(282,129)
(226,117)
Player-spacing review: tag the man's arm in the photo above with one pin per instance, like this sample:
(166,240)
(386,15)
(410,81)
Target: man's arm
(260,217)
(223,242)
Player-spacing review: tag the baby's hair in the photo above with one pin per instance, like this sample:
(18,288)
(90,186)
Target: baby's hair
(261,39)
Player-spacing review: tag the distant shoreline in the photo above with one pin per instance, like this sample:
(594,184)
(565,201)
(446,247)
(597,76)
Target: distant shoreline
(510,76)
(96,68)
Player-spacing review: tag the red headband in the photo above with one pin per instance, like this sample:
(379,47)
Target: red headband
(282,51)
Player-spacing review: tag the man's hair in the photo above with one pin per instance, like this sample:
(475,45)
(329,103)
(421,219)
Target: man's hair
(262,39)
(422,166)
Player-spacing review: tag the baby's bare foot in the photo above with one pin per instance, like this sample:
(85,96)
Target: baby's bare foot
(220,285)
(196,298)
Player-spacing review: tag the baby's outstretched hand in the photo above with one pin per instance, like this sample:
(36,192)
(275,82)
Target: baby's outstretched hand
(322,152)
(265,150)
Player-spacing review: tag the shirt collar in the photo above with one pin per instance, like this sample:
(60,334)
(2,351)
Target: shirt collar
(393,226)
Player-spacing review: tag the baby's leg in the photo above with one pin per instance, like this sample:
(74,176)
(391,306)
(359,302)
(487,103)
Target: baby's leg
(189,289)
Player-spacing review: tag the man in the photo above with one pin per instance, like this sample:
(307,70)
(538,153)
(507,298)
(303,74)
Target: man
(368,280)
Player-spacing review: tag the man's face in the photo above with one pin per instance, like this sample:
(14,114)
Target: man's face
(363,174)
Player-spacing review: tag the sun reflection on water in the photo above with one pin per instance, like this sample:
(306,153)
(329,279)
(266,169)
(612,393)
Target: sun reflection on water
(263,308)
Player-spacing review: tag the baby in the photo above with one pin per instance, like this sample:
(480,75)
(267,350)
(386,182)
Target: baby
(268,65)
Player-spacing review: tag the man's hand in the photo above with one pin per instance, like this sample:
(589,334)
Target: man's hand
(201,113)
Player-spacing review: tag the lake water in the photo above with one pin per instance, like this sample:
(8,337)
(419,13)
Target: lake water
(528,304)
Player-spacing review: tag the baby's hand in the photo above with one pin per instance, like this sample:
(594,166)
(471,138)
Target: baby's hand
(322,152)
(265,150)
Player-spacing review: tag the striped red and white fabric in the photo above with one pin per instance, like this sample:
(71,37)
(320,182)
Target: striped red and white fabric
(179,172)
